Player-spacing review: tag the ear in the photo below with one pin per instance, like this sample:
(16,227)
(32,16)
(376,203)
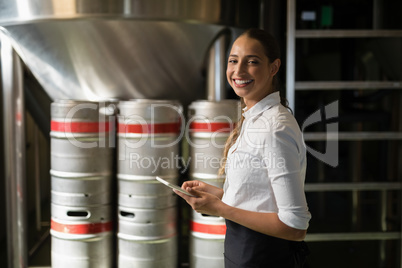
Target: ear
(275,66)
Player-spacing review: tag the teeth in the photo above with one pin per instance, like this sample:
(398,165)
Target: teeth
(240,82)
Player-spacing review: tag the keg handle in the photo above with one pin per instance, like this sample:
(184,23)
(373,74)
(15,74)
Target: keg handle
(127,214)
(79,214)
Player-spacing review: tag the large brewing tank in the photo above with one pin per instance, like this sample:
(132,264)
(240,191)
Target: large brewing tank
(95,49)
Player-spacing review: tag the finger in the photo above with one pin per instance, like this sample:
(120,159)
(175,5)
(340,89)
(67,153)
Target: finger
(183,195)
(179,193)
(200,188)
(194,191)
(189,184)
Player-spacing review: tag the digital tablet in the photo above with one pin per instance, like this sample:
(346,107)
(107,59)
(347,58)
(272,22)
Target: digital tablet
(174,186)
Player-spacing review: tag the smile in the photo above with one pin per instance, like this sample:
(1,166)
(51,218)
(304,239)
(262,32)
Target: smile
(242,82)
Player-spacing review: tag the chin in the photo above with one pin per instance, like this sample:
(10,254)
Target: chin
(241,93)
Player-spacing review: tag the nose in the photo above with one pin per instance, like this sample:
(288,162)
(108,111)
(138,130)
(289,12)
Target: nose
(240,68)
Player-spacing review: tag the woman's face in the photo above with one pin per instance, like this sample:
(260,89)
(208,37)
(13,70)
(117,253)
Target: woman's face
(249,71)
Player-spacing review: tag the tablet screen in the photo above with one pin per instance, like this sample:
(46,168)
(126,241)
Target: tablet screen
(173,186)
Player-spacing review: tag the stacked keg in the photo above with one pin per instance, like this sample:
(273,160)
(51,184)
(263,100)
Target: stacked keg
(82,157)
(210,125)
(148,146)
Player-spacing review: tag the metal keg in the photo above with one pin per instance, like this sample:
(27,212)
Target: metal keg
(149,134)
(145,192)
(82,138)
(147,224)
(134,253)
(144,185)
(82,251)
(84,216)
(81,191)
(81,236)
(210,124)
(82,160)
(207,238)
(149,137)
(148,146)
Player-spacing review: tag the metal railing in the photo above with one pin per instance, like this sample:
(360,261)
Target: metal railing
(355,187)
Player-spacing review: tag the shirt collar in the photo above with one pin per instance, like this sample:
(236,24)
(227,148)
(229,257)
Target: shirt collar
(263,105)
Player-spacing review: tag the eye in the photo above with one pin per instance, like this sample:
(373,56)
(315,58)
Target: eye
(232,61)
(253,62)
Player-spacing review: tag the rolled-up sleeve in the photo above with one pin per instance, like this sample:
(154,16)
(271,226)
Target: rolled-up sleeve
(285,159)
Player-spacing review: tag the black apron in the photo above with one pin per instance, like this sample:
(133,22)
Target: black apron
(245,248)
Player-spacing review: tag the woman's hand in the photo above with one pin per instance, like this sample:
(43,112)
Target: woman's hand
(206,202)
(204,187)
(207,198)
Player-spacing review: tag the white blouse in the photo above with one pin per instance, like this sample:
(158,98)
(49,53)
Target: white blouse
(266,167)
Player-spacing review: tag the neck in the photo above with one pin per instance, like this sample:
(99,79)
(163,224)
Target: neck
(253,101)
(250,103)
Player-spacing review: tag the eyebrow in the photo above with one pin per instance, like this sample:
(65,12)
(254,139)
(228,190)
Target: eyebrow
(248,56)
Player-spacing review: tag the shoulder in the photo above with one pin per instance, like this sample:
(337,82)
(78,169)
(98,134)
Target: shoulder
(276,119)
(276,127)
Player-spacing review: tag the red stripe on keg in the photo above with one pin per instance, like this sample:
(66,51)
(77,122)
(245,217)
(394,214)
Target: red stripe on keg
(79,127)
(211,127)
(208,228)
(89,228)
(150,128)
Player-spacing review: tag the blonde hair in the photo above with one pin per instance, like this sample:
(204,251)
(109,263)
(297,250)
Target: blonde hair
(231,140)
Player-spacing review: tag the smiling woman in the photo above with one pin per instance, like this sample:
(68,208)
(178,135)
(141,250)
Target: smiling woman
(263,203)
(250,72)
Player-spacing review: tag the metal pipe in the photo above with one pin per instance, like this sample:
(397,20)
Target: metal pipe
(291,53)
(14,154)
(261,21)
(383,219)
(216,74)
(38,196)
(39,243)
(377,14)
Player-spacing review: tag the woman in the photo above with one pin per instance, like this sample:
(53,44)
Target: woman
(263,198)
